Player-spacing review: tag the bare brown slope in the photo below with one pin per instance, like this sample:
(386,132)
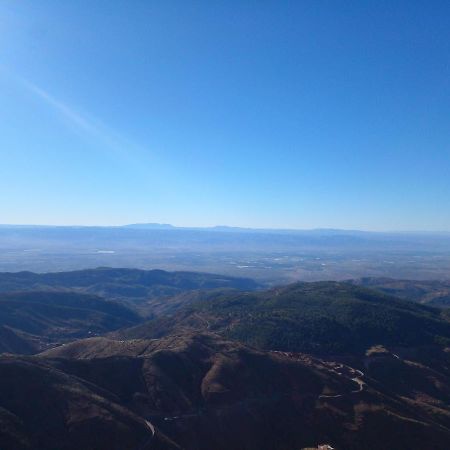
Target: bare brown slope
(204,392)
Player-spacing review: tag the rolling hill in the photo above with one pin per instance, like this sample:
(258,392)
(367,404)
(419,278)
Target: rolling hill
(121,284)
(32,321)
(430,292)
(320,318)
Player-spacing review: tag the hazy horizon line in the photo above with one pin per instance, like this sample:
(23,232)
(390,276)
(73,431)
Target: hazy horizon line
(168,226)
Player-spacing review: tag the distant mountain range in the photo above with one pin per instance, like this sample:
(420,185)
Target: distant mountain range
(269,256)
(228,228)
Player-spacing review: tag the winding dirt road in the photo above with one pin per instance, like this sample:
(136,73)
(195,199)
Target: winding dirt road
(152,430)
(356,380)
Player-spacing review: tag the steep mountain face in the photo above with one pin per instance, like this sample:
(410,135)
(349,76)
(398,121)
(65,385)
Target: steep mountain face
(320,318)
(121,284)
(433,292)
(32,321)
(202,392)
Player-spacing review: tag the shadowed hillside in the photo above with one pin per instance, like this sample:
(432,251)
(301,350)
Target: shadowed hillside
(38,311)
(32,321)
(45,408)
(121,284)
(433,292)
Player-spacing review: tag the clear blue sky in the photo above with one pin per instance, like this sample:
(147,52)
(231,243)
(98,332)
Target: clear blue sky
(285,114)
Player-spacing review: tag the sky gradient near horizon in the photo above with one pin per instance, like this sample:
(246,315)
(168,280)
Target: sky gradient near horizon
(308,114)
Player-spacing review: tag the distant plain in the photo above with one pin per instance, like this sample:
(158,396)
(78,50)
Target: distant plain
(269,256)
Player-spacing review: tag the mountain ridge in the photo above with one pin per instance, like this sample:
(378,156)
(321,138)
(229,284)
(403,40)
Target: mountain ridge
(320,317)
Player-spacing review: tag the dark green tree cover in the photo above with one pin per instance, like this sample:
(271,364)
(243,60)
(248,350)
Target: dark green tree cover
(323,317)
(122,284)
